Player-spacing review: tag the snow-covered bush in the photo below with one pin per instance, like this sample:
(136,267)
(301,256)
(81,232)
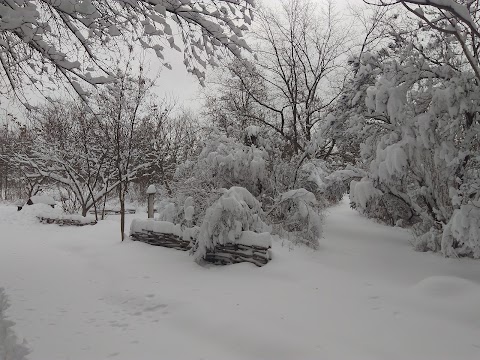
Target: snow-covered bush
(375,204)
(462,233)
(10,349)
(296,216)
(235,211)
(188,204)
(172,212)
(427,235)
(229,162)
(168,211)
(225,162)
(222,163)
(312,175)
(338,182)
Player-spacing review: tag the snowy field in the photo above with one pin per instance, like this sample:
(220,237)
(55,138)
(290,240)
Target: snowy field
(81,294)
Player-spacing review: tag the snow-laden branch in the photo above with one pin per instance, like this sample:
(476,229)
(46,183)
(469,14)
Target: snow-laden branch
(40,39)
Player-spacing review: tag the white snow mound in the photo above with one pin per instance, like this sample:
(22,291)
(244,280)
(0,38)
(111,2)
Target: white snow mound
(43,199)
(447,286)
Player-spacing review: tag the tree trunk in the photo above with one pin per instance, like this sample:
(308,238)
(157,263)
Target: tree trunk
(122,211)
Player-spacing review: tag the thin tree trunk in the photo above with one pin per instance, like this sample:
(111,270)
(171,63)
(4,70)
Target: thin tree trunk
(122,211)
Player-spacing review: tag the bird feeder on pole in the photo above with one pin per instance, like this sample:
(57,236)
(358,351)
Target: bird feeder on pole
(151,191)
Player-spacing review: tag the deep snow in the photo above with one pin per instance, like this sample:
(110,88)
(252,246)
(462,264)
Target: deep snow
(81,294)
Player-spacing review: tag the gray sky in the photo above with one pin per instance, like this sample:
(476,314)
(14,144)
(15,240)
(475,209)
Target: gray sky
(180,85)
(176,84)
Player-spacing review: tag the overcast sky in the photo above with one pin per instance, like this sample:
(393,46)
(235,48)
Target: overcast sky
(176,84)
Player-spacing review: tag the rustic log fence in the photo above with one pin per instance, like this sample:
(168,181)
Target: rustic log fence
(169,235)
(171,241)
(237,253)
(65,221)
(112,212)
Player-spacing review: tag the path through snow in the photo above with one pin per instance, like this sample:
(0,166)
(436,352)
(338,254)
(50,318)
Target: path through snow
(79,293)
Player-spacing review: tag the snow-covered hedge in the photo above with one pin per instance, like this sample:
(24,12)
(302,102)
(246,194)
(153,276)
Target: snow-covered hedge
(296,216)
(228,218)
(10,348)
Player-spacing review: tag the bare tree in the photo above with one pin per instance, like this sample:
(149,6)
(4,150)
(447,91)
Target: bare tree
(121,109)
(296,76)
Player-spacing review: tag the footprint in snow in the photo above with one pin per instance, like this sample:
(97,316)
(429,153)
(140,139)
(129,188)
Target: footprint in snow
(156,307)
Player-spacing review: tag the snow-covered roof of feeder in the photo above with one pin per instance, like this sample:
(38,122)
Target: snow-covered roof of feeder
(42,199)
(152,189)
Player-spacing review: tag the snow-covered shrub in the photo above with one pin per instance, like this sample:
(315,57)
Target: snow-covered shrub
(337,183)
(10,349)
(188,204)
(311,177)
(363,193)
(317,177)
(168,211)
(68,200)
(175,213)
(461,236)
(427,236)
(235,211)
(229,162)
(223,162)
(383,206)
(296,216)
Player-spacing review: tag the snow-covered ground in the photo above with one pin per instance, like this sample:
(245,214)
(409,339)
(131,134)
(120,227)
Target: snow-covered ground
(81,294)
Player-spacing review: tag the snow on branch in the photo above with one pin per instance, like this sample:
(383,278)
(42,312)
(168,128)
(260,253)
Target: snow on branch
(41,41)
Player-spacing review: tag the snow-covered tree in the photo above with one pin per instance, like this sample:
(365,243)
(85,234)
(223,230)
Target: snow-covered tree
(296,216)
(120,108)
(167,139)
(416,112)
(42,41)
(67,151)
(13,136)
(88,155)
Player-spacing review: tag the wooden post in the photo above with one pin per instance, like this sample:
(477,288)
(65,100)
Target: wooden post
(151,191)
